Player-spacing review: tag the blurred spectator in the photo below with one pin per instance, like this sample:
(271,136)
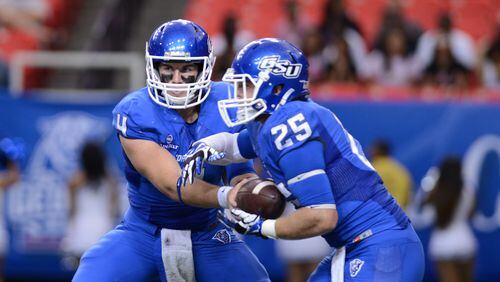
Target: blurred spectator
(4,74)
(227,44)
(446,49)
(345,50)
(231,35)
(294,26)
(393,18)
(396,177)
(21,27)
(445,69)
(312,47)
(340,62)
(27,16)
(336,19)
(391,63)
(490,69)
(453,204)
(301,256)
(11,153)
(93,202)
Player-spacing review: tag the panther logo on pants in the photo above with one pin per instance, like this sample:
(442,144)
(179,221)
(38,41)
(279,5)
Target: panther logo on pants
(222,236)
(355,266)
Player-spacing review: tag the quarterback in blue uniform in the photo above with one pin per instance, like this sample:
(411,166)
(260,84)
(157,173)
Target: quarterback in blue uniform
(160,237)
(317,164)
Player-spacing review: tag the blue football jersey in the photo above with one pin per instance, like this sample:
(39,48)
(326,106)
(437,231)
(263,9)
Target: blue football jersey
(362,202)
(138,117)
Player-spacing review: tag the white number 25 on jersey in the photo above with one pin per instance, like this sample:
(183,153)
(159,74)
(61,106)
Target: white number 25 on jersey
(299,127)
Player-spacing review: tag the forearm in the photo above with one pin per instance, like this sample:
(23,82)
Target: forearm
(227,143)
(200,194)
(203,194)
(162,170)
(305,223)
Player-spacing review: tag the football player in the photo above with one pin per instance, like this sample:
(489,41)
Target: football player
(160,237)
(318,165)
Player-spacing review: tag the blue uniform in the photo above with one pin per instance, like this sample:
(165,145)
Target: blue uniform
(138,249)
(379,240)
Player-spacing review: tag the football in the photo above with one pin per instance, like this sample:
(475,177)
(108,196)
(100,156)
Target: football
(262,197)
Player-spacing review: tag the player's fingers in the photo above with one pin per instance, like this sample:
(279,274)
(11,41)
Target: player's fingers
(179,182)
(240,228)
(190,172)
(199,164)
(236,213)
(205,152)
(251,219)
(212,152)
(220,155)
(182,179)
(246,218)
(197,167)
(187,174)
(242,213)
(184,176)
(191,178)
(225,219)
(216,156)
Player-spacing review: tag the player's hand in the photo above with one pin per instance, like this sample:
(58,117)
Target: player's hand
(243,222)
(231,197)
(247,223)
(195,159)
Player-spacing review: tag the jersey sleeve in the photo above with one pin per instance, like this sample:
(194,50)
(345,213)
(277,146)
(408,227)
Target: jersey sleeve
(246,151)
(129,120)
(308,182)
(245,145)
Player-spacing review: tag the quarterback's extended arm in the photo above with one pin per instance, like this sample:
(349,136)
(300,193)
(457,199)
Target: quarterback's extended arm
(229,144)
(162,170)
(218,149)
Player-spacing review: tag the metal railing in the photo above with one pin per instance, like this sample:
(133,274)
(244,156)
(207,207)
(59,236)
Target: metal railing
(133,62)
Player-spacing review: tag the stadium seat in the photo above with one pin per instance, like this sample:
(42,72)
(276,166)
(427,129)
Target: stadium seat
(474,15)
(425,12)
(368,13)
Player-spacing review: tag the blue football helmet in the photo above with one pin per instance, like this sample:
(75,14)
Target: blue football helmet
(278,73)
(179,41)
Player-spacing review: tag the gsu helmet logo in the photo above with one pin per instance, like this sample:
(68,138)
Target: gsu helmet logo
(280,67)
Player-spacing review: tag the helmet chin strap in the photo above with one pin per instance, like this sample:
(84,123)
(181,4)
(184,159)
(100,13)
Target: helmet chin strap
(284,99)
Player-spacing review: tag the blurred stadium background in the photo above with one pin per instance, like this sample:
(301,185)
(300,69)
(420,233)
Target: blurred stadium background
(422,74)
